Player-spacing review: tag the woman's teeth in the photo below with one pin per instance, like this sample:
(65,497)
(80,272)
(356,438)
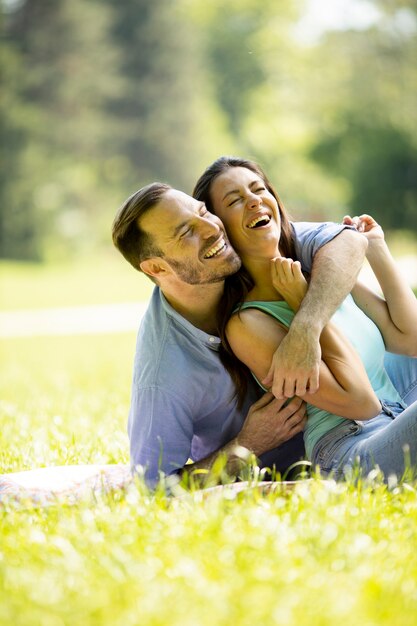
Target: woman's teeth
(260,220)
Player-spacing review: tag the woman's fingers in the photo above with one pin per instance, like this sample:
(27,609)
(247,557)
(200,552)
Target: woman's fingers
(296,269)
(284,270)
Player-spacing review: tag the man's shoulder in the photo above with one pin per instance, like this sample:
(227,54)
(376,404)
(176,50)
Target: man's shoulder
(157,329)
(163,324)
(309,237)
(302,228)
(155,307)
(170,352)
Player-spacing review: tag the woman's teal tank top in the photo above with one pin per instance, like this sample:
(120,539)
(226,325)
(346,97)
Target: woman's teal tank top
(366,339)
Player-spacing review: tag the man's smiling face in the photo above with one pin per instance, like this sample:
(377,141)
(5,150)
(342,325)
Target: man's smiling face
(193,240)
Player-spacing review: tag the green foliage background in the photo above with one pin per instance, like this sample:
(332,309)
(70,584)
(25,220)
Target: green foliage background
(101,97)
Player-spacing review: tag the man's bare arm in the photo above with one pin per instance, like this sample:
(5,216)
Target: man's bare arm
(295,365)
(268,425)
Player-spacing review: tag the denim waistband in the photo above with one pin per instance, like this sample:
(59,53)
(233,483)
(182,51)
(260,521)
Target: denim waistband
(329,443)
(392,408)
(335,442)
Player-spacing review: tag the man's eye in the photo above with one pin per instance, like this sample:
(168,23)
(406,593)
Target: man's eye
(185,233)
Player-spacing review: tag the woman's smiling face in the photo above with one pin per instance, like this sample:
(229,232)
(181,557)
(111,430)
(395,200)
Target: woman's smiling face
(248,211)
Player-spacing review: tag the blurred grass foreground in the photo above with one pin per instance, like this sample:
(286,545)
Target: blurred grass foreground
(321,553)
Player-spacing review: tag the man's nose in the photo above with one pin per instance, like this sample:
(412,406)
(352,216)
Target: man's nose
(209,228)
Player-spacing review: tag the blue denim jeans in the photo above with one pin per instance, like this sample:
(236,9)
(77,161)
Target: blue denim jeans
(403,372)
(387,441)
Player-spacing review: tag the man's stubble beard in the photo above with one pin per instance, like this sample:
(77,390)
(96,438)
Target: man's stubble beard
(195,276)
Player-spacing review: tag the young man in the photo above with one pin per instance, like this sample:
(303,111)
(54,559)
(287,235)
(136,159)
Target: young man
(183,403)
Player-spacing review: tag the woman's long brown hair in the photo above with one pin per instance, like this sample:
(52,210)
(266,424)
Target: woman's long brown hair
(238,285)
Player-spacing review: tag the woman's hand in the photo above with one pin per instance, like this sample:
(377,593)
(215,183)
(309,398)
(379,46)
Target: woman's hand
(366,225)
(289,281)
(396,313)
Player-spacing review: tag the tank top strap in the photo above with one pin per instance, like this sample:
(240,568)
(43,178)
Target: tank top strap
(278,309)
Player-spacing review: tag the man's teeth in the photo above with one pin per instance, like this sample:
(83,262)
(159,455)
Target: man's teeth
(217,248)
(261,218)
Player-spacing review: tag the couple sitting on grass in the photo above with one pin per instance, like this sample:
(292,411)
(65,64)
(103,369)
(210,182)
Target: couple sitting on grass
(243,295)
(258,338)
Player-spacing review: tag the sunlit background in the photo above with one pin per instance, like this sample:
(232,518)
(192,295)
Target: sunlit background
(100,97)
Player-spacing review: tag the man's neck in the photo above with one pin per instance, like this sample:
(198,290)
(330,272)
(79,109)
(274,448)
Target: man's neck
(198,304)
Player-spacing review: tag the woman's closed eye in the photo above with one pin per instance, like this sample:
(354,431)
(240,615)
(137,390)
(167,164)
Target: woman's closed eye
(260,189)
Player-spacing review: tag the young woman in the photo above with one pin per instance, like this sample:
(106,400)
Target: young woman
(357,417)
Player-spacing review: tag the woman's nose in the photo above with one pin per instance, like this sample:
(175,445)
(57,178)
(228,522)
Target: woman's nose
(254,201)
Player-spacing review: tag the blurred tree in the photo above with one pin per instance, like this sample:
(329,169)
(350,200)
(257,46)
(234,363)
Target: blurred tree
(100,97)
(54,65)
(261,80)
(245,42)
(18,221)
(366,131)
(155,109)
(381,164)
(233,55)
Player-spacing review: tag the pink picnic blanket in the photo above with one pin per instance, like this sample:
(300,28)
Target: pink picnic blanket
(69,483)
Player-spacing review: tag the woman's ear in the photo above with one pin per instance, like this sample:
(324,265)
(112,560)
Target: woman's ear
(154,267)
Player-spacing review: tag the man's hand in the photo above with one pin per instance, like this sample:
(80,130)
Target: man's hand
(295,365)
(269,423)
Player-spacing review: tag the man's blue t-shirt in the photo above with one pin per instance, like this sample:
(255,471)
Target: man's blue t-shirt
(183,402)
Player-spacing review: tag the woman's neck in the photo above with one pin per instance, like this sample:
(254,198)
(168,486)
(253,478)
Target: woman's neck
(260,272)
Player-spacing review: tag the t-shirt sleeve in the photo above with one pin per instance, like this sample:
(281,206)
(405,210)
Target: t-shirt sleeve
(160,432)
(311,236)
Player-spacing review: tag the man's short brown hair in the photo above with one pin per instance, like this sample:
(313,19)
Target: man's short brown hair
(135,244)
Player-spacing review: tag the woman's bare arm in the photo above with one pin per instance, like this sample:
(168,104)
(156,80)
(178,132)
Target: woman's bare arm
(396,313)
(344,385)
(334,272)
(254,337)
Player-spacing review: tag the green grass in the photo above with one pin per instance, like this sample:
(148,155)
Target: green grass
(320,555)
(315,556)
(64,400)
(95,280)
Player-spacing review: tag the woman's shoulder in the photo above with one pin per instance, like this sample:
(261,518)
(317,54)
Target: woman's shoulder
(255,315)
